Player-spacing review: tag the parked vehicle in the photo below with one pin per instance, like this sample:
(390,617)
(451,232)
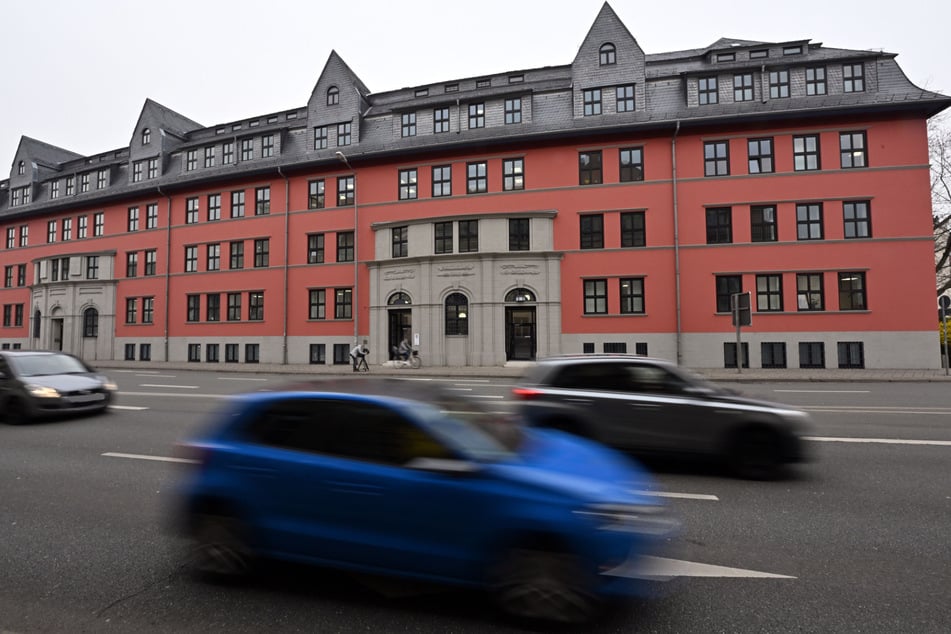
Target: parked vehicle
(388,476)
(650,406)
(41,384)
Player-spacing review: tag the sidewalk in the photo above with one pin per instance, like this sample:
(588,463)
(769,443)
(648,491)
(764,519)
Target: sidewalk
(514,370)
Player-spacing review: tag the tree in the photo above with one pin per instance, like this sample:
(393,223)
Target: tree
(939,147)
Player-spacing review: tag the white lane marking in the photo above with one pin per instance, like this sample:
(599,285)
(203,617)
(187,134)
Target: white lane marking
(824,391)
(459,389)
(128,407)
(682,496)
(179,387)
(229,378)
(157,376)
(487,396)
(882,441)
(114,371)
(901,412)
(175,394)
(664,568)
(136,456)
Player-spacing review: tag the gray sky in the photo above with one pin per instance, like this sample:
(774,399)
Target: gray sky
(78,72)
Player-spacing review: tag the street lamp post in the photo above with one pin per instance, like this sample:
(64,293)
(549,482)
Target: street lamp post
(356,229)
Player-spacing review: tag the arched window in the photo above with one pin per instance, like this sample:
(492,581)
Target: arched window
(398,299)
(333,96)
(90,322)
(608,56)
(457,314)
(520,295)
(146,136)
(21,168)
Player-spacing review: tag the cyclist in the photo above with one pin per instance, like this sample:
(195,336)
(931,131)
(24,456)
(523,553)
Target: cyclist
(403,351)
(359,352)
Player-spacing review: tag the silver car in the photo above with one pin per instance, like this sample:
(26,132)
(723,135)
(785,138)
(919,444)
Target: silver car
(651,406)
(40,384)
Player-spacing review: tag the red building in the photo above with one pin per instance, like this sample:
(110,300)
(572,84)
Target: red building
(613,204)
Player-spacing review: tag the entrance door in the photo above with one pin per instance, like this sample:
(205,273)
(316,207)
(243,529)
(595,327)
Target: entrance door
(401,325)
(520,333)
(56,331)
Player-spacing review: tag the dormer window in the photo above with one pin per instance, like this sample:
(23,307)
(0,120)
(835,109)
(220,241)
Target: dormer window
(146,136)
(608,54)
(726,57)
(333,96)
(21,168)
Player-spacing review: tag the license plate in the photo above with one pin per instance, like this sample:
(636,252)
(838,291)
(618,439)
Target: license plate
(86,398)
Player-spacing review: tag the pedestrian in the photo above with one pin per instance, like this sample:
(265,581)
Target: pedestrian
(358,352)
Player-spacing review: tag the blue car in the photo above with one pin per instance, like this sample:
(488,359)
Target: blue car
(392,477)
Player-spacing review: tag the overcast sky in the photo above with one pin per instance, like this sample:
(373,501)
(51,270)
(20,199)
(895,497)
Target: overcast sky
(78,72)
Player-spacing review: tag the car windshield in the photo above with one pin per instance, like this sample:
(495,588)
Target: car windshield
(478,433)
(46,364)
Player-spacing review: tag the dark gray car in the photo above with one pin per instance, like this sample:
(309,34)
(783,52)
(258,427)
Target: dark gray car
(40,384)
(651,406)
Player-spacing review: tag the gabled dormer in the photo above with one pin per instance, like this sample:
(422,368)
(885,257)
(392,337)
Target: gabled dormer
(608,73)
(158,131)
(34,163)
(335,108)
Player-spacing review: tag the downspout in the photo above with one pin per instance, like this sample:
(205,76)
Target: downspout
(168,265)
(673,173)
(287,193)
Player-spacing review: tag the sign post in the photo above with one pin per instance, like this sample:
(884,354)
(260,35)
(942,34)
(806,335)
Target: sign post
(944,301)
(741,307)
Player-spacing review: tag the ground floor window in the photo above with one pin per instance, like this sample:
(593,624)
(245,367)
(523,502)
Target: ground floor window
(615,348)
(194,352)
(318,354)
(231,353)
(130,352)
(851,354)
(773,354)
(211,353)
(812,354)
(145,352)
(341,354)
(252,353)
(729,354)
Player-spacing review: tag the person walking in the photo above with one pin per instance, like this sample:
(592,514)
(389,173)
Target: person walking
(358,352)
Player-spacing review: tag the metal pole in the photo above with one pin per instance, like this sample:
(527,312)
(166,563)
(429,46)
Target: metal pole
(944,326)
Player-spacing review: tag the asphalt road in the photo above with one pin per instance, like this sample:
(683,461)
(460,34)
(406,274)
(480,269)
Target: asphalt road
(856,542)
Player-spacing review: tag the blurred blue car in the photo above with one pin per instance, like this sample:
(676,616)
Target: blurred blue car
(387,476)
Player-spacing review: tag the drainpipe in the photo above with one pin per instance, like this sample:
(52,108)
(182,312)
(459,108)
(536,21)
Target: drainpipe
(673,172)
(168,264)
(287,193)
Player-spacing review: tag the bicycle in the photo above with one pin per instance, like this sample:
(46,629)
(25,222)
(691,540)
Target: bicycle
(413,361)
(362,365)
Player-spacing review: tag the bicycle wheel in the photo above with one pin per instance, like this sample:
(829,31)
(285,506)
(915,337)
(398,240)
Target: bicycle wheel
(415,362)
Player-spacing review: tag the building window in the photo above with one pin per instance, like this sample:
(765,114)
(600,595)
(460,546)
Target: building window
(809,221)
(399,238)
(11,237)
(633,230)
(211,353)
(760,155)
(256,306)
(213,307)
(442,181)
(407,184)
(343,303)
(25,234)
(210,156)
(468,236)
(624,98)
(333,96)
(214,207)
(82,227)
(345,191)
(317,303)
(267,146)
(719,225)
(151,169)
(408,124)
(102,179)
(519,234)
(194,352)
(607,54)
(477,180)
(476,115)
(769,293)
(146,136)
(595,297)
(457,314)
(150,259)
(853,150)
(592,231)
(262,249)
(21,168)
(809,295)
(50,231)
(83,183)
(231,353)
(440,120)
(632,295)
(592,102)
(851,354)
(315,194)
(343,134)
(247,149)
(812,354)
(213,262)
(443,237)
(8,276)
(130,352)
(21,274)
(320,138)
(237,204)
(727,286)
(262,201)
(234,306)
(191,211)
(130,310)
(136,177)
(315,248)
(852,291)
(54,189)
(345,246)
(513,174)
(148,310)
(589,168)
(191,160)
(70,185)
(131,263)
(763,223)
(318,354)
(853,77)
(191,259)
(816,81)
(858,222)
(631,164)
(778,84)
(236,255)
(707,91)
(513,110)
(773,354)
(90,323)
(729,354)
(716,158)
(806,152)
(743,87)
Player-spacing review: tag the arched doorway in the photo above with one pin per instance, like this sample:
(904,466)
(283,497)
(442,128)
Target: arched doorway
(520,334)
(400,320)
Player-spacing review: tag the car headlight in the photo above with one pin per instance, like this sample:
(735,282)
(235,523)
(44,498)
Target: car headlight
(109,385)
(42,391)
(636,518)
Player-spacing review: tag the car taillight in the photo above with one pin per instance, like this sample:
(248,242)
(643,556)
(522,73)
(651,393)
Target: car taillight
(525,393)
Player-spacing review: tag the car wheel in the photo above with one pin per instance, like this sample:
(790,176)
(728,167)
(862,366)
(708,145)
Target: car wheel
(755,454)
(15,412)
(542,585)
(222,551)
